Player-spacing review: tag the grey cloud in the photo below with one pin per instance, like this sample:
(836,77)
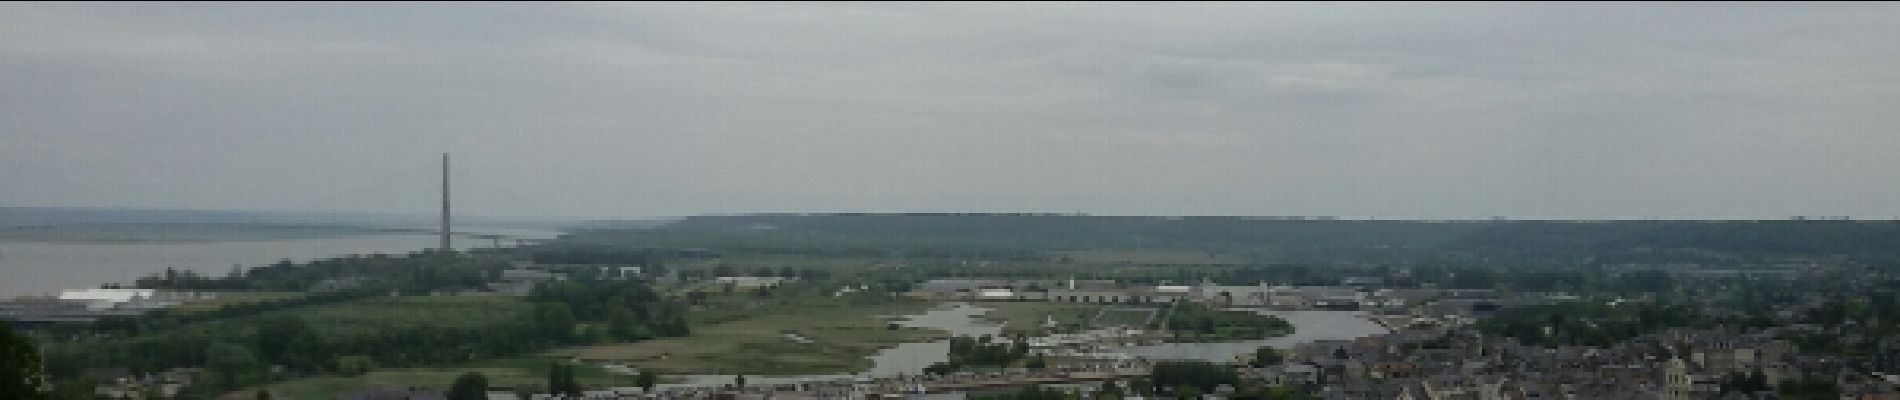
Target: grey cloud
(1448,110)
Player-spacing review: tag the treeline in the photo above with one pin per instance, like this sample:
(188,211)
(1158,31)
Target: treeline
(1170,379)
(1787,237)
(240,351)
(1874,315)
(620,310)
(595,255)
(1189,378)
(761,272)
(1582,278)
(418,272)
(165,319)
(1498,242)
(240,347)
(984,351)
(1589,324)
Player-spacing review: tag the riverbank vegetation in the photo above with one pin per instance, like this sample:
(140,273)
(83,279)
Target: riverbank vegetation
(347,338)
(1196,322)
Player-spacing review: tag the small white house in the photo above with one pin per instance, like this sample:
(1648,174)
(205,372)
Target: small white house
(995,294)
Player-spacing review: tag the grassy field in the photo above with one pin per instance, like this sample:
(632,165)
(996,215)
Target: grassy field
(1028,317)
(1124,316)
(470,310)
(755,341)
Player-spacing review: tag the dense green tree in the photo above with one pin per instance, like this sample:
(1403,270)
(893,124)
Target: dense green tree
(354,365)
(469,386)
(569,384)
(285,341)
(630,310)
(1588,324)
(1203,320)
(1266,356)
(20,369)
(1141,387)
(561,379)
(1816,389)
(554,377)
(982,351)
(1187,392)
(646,380)
(622,325)
(231,362)
(1276,393)
(1110,390)
(1031,392)
(1745,383)
(555,320)
(1201,375)
(941,368)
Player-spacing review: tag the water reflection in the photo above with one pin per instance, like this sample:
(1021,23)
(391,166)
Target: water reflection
(911,358)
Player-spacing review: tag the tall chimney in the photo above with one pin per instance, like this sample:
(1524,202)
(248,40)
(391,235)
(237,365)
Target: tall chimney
(445,204)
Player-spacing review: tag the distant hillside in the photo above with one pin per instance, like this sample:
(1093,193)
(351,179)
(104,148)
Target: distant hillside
(1743,237)
(1060,231)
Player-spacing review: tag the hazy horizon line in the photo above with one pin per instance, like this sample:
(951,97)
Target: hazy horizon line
(1306,217)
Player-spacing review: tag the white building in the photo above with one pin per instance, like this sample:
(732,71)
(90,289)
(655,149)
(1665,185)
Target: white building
(752,281)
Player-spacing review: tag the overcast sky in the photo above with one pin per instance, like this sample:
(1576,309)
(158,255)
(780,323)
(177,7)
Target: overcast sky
(618,110)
